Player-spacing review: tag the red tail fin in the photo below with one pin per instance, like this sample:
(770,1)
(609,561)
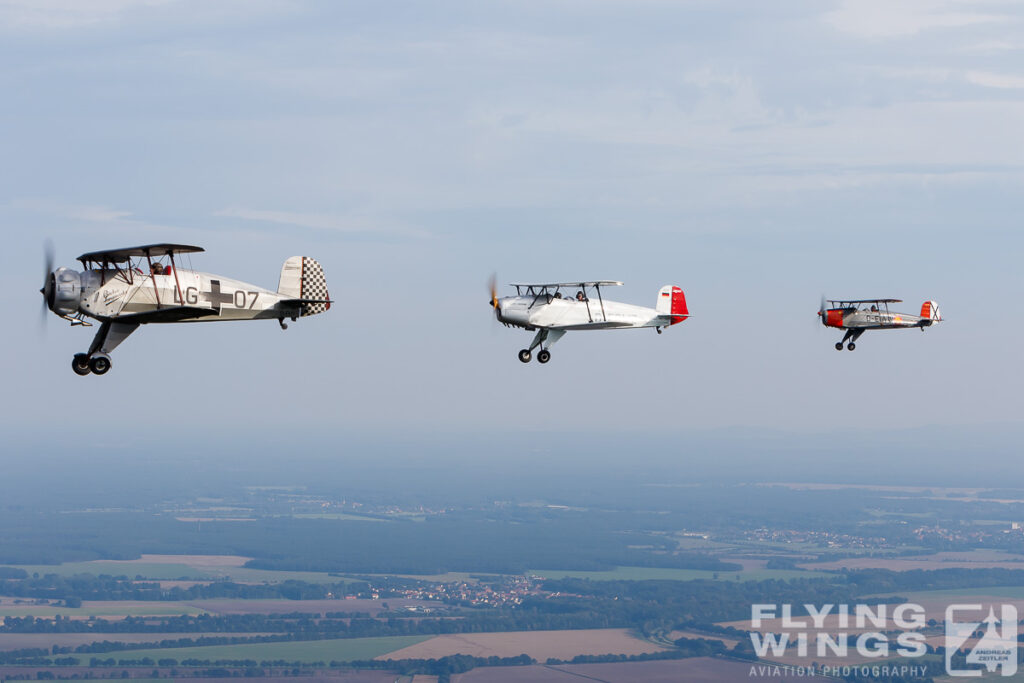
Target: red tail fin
(672,302)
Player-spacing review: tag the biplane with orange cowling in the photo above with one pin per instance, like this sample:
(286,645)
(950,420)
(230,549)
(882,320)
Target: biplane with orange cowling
(553,309)
(125,288)
(857,316)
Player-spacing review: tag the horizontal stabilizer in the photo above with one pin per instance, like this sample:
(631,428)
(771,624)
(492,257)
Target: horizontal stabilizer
(299,302)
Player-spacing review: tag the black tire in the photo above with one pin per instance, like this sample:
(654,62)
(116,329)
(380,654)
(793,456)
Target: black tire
(80,364)
(544,356)
(851,346)
(99,365)
(839,346)
(525,355)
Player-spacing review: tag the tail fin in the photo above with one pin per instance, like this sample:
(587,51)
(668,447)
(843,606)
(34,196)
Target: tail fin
(930,311)
(672,302)
(302,278)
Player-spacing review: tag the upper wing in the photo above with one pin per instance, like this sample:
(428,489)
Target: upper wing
(172,314)
(121,255)
(865,301)
(578,283)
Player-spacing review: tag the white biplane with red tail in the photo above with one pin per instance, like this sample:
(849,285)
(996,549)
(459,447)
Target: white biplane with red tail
(857,316)
(553,309)
(125,288)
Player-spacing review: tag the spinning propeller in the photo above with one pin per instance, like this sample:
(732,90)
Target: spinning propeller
(494,295)
(821,310)
(47,290)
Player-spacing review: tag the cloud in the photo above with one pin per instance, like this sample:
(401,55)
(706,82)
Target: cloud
(883,19)
(105,216)
(993,80)
(353,224)
(63,14)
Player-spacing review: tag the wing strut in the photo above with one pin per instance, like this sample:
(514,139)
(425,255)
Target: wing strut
(177,285)
(110,335)
(156,291)
(603,315)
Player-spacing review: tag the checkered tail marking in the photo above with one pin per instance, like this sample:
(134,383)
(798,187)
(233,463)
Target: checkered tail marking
(314,286)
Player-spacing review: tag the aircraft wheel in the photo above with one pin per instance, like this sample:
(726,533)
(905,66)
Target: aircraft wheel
(544,356)
(80,364)
(851,346)
(525,355)
(99,364)
(839,346)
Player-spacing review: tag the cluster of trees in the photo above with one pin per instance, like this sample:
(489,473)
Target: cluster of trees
(442,543)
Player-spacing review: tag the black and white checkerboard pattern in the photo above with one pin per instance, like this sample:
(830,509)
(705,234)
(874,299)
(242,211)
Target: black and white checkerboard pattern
(314,286)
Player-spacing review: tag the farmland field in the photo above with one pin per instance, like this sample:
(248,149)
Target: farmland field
(656,573)
(340,649)
(101,608)
(986,559)
(540,645)
(695,670)
(17,641)
(281,606)
(187,567)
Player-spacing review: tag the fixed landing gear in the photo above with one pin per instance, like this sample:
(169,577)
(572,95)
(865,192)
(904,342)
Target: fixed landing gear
(544,356)
(525,356)
(282,323)
(80,364)
(98,364)
(850,336)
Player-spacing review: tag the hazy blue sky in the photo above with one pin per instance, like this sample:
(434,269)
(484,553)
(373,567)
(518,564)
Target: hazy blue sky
(756,154)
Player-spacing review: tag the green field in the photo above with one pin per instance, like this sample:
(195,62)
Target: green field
(659,573)
(1009,592)
(149,570)
(157,571)
(104,609)
(343,649)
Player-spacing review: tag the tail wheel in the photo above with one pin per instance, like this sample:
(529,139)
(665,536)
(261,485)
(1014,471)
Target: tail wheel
(544,356)
(80,364)
(99,364)
(851,346)
(839,346)
(525,355)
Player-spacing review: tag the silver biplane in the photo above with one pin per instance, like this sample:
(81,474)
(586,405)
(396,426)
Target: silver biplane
(857,316)
(553,309)
(125,288)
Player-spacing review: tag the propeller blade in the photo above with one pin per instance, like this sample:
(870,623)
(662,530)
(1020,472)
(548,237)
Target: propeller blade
(821,309)
(48,259)
(494,291)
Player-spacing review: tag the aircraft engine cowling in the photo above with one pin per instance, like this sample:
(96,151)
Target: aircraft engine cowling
(63,291)
(834,317)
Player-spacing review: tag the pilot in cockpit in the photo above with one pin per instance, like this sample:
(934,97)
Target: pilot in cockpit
(158,269)
(874,308)
(580,296)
